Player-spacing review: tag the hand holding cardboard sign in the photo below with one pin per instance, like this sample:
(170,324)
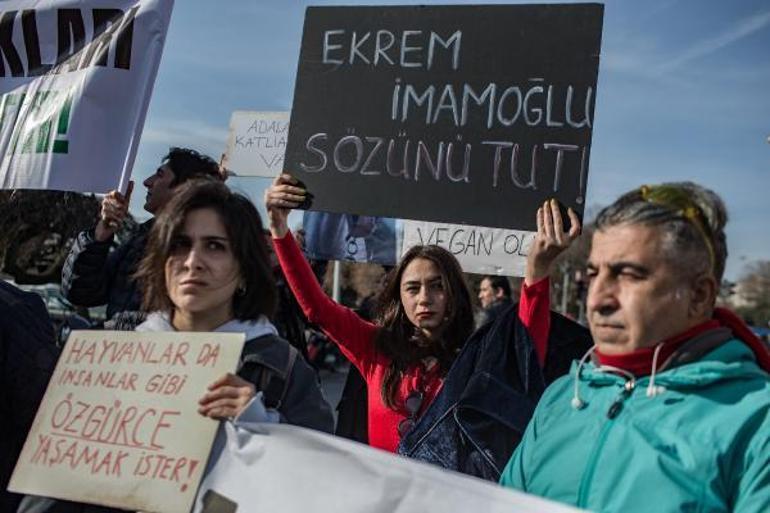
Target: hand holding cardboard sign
(284,195)
(551,240)
(226,397)
(114,211)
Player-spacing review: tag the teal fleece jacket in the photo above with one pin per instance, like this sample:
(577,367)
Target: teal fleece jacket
(701,444)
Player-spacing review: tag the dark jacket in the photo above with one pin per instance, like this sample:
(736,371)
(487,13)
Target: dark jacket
(265,361)
(353,408)
(28,355)
(489,395)
(288,383)
(94,276)
(493,311)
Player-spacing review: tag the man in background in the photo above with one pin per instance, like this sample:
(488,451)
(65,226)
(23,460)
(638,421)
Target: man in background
(495,297)
(92,274)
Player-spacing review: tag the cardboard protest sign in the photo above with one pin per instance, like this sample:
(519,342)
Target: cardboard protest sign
(478,249)
(75,82)
(349,237)
(454,114)
(256,143)
(294,470)
(118,424)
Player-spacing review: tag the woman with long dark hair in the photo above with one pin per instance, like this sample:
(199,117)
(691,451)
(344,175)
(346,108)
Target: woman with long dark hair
(424,317)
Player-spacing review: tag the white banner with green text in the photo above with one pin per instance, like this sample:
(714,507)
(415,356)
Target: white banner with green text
(75,82)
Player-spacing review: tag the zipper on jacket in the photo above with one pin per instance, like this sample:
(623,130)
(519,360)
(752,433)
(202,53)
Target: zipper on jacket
(617,404)
(590,470)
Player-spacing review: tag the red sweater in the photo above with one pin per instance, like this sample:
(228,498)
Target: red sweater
(355,338)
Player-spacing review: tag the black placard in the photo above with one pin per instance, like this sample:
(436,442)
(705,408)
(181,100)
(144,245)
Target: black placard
(463,114)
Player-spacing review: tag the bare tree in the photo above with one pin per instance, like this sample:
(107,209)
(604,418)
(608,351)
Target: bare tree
(37,229)
(754,287)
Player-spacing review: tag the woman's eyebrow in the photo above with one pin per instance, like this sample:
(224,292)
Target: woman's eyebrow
(417,282)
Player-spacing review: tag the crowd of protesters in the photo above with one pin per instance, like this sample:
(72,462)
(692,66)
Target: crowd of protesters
(663,396)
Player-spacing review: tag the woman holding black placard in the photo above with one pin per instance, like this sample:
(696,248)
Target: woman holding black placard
(424,315)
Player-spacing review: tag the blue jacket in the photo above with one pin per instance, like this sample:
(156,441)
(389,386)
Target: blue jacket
(489,395)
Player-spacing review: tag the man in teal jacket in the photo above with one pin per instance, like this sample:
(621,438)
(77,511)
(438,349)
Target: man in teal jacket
(669,411)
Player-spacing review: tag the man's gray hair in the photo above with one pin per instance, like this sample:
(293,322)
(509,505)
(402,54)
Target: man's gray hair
(691,217)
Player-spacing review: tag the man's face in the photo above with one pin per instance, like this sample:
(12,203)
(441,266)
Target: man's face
(159,189)
(636,298)
(487,293)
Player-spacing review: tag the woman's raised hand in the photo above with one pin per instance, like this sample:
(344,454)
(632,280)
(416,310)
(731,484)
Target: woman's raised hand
(226,397)
(280,198)
(551,240)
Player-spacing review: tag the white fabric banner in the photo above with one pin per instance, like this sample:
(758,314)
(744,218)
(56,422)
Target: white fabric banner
(75,80)
(278,467)
(256,143)
(478,249)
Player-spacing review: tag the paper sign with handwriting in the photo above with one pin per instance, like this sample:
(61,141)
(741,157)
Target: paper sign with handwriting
(118,424)
(256,143)
(478,249)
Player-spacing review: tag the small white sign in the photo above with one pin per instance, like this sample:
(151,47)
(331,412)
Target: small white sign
(257,142)
(478,249)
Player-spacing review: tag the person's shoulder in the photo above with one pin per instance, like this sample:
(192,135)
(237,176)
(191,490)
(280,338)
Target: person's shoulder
(9,295)
(139,234)
(500,305)
(269,350)
(561,384)
(13,298)
(558,394)
(735,362)
(495,311)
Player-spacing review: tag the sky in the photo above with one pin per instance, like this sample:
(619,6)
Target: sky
(683,94)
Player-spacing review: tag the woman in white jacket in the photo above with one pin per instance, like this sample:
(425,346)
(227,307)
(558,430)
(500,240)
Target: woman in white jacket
(206,268)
